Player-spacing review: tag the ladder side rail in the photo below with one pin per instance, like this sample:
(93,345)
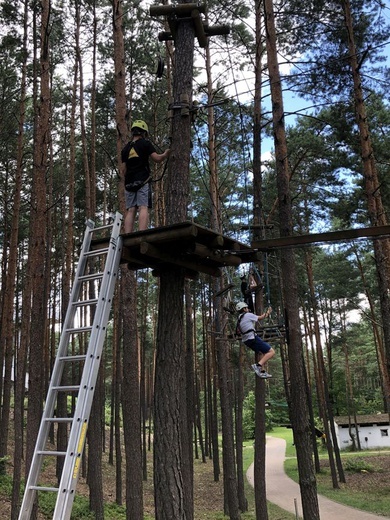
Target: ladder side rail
(37,459)
(77,437)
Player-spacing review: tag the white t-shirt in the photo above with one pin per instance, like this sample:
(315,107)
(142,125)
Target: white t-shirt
(247,325)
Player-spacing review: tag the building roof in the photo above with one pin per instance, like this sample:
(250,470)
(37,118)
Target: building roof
(363,420)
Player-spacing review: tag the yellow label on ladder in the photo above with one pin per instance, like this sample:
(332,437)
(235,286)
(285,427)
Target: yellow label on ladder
(79,450)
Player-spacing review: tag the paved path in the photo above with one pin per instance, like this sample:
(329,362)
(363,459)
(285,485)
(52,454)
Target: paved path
(284,492)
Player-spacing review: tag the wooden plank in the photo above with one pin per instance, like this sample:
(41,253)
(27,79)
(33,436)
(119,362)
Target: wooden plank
(330,236)
(199,29)
(217,256)
(149,250)
(191,275)
(156,235)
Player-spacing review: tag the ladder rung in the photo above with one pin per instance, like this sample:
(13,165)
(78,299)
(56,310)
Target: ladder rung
(59,419)
(53,453)
(97,252)
(107,226)
(79,357)
(70,388)
(85,302)
(43,488)
(92,276)
(75,330)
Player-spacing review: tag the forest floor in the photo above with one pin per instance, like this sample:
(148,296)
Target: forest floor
(208,495)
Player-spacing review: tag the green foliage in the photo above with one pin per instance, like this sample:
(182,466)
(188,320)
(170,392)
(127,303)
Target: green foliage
(358,465)
(5,484)
(317,31)
(248,417)
(80,510)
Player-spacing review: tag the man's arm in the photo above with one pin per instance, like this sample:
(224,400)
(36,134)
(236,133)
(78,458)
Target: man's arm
(266,314)
(160,157)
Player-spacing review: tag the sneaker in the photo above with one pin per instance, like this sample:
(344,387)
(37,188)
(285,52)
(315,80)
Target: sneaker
(264,375)
(256,369)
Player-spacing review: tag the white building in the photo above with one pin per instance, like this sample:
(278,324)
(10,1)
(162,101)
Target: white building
(373,430)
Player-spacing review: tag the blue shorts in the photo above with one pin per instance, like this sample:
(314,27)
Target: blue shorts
(258,345)
(142,197)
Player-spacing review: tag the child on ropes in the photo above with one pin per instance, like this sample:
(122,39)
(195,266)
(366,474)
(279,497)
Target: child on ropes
(246,326)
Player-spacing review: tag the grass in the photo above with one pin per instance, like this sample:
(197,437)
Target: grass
(206,511)
(366,488)
(357,465)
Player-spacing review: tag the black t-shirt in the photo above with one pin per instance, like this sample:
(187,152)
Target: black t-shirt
(136,156)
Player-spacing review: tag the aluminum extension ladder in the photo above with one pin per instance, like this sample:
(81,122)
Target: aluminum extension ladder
(88,316)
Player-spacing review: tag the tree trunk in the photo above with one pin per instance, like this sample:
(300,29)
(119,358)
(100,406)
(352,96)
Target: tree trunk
(300,414)
(376,211)
(117,386)
(62,429)
(37,268)
(242,501)
(198,418)
(8,325)
(190,397)
(169,410)
(228,454)
(95,450)
(131,401)
(260,386)
(381,354)
(171,453)
(96,430)
(214,412)
(131,384)
(322,379)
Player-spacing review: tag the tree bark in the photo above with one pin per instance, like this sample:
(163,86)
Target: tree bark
(322,386)
(171,453)
(131,361)
(8,325)
(300,414)
(131,401)
(242,501)
(190,397)
(169,409)
(37,267)
(258,219)
(228,454)
(376,211)
(381,354)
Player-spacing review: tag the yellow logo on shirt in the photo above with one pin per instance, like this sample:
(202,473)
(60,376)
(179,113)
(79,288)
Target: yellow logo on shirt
(132,153)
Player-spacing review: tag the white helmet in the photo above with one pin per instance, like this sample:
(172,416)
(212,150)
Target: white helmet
(240,306)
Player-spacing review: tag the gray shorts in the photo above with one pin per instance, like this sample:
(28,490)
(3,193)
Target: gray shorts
(142,197)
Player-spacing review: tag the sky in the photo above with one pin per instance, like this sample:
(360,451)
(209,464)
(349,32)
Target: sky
(243,84)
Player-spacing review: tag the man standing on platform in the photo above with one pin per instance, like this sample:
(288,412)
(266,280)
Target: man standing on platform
(137,175)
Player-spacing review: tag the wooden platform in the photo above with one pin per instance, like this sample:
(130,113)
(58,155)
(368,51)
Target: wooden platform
(187,245)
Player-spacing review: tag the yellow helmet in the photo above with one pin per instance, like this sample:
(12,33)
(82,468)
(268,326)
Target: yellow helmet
(141,125)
